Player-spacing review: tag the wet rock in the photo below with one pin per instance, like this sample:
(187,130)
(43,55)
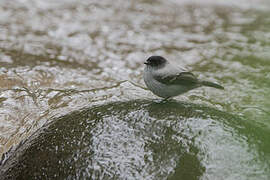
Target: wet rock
(135,140)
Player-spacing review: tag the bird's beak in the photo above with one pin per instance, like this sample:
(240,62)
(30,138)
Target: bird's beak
(146,63)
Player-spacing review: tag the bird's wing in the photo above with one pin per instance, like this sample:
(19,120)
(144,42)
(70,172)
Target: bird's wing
(182,78)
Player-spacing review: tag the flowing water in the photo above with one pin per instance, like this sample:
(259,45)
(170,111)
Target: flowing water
(75,68)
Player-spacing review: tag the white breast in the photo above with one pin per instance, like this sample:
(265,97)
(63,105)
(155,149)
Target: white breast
(161,89)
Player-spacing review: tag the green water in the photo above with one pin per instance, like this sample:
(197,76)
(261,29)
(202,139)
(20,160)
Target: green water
(59,57)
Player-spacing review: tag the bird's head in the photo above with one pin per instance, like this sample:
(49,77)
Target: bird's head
(155,61)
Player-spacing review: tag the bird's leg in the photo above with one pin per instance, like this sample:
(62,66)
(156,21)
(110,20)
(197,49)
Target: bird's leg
(165,99)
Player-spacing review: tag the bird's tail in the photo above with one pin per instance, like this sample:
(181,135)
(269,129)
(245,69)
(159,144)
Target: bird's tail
(211,84)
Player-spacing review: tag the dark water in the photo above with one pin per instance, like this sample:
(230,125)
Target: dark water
(60,57)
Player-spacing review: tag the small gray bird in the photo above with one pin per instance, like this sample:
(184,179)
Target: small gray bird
(167,80)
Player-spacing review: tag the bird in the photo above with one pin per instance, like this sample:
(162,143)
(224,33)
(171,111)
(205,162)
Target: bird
(167,80)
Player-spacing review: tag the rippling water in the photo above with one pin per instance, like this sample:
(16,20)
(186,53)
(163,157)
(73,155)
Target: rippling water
(59,57)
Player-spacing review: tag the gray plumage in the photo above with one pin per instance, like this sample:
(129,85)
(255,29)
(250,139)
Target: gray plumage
(166,80)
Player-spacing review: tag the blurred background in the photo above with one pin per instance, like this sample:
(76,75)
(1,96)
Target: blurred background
(57,57)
